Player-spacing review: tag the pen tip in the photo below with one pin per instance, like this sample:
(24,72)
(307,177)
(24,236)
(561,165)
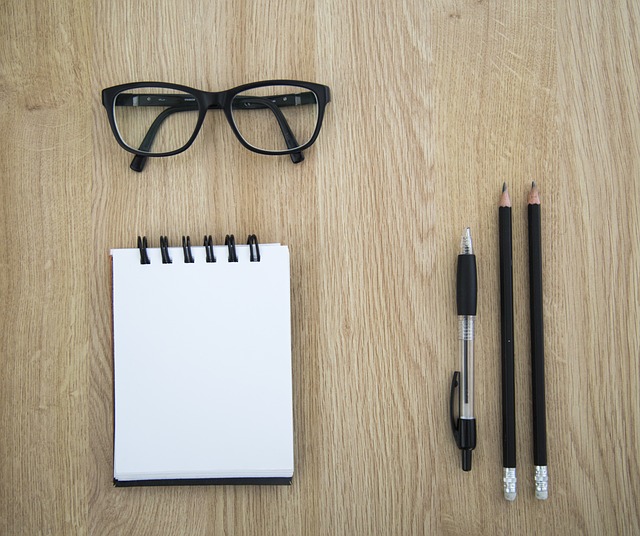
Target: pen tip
(466,245)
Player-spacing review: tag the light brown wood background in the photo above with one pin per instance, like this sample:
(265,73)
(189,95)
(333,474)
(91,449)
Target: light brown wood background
(435,104)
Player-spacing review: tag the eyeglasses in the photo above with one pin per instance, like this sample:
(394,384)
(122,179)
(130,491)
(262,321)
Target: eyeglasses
(274,117)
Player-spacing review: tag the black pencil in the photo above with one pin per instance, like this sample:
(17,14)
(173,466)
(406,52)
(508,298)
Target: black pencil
(508,375)
(537,346)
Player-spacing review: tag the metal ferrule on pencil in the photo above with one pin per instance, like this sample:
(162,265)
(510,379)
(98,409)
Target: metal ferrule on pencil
(510,483)
(542,482)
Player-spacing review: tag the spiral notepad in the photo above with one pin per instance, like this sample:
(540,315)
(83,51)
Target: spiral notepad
(202,364)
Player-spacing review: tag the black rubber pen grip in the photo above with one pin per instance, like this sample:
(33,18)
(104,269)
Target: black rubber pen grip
(467,285)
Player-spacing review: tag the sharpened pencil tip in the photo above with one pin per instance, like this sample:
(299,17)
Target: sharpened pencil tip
(534,194)
(505,200)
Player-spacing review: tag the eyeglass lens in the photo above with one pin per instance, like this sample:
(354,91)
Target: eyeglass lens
(154,119)
(277,117)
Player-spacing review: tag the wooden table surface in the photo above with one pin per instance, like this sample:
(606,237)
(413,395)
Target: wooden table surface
(435,104)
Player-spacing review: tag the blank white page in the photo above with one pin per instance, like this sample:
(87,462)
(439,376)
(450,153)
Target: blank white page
(202,365)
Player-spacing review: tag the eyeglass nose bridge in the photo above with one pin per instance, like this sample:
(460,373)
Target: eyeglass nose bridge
(214,100)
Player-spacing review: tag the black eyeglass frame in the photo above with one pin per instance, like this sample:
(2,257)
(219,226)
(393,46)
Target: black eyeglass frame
(212,100)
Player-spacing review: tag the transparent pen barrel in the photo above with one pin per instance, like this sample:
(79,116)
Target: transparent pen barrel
(466,336)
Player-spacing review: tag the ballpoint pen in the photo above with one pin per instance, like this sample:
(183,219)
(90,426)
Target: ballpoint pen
(464,427)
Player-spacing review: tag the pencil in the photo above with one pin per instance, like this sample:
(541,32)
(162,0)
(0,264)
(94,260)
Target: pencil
(508,376)
(537,346)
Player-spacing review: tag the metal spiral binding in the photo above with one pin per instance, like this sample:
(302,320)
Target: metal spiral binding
(164,250)
(186,249)
(230,242)
(142,246)
(254,250)
(208,247)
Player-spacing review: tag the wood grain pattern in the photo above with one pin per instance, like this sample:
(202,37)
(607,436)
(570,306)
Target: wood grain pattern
(434,106)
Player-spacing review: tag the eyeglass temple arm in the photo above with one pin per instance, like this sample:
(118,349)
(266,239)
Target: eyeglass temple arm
(182,104)
(281,101)
(154,99)
(176,103)
(274,103)
(139,161)
(248,103)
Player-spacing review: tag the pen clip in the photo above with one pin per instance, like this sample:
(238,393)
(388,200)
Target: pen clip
(454,422)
